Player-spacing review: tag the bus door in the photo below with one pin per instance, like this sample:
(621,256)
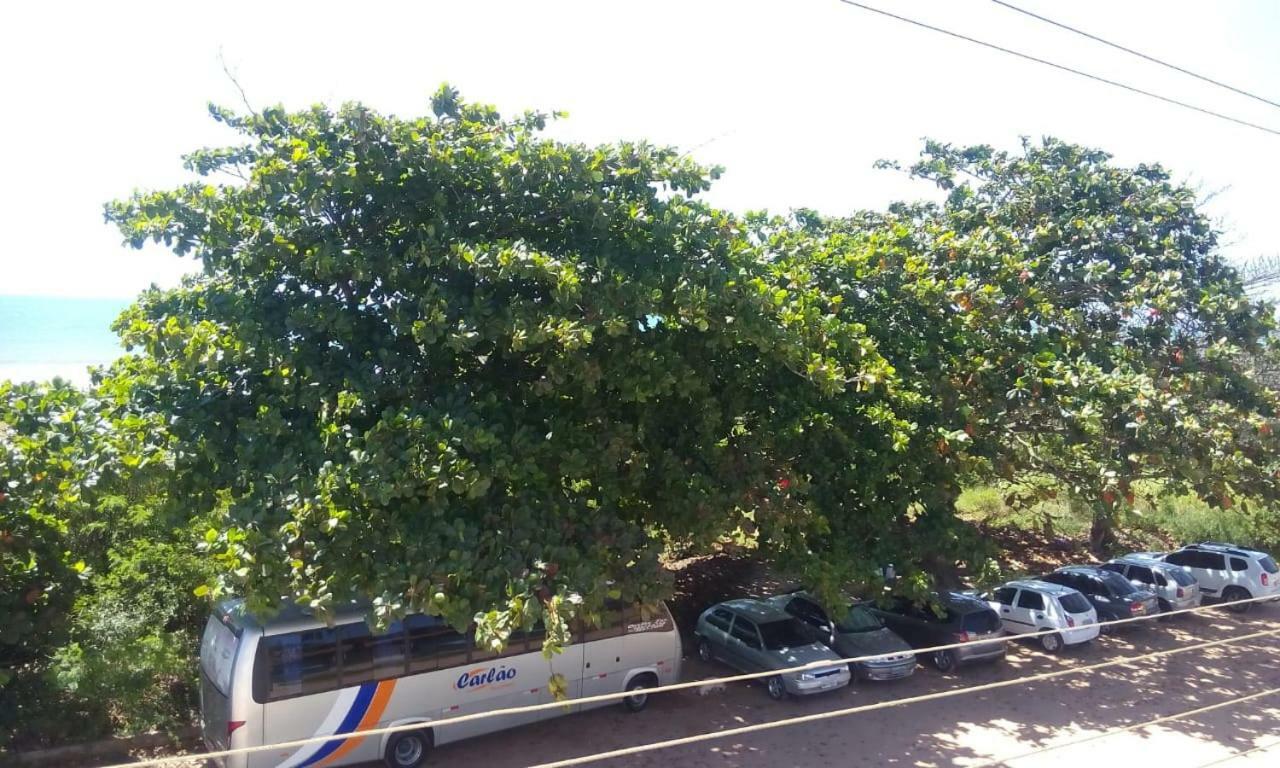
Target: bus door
(605,661)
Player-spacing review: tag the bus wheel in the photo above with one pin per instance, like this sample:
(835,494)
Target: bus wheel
(638,698)
(408,749)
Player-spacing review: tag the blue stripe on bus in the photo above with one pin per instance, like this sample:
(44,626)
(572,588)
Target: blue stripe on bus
(348,724)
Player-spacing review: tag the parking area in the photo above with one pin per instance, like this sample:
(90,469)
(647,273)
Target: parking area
(964,730)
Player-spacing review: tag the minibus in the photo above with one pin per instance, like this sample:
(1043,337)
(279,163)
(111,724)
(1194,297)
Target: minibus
(294,677)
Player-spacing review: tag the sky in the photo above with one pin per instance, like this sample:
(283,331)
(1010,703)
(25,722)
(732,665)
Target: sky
(795,98)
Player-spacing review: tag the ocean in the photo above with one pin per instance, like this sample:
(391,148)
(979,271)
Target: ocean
(46,336)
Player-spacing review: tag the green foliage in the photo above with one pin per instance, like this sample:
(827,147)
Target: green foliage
(448,365)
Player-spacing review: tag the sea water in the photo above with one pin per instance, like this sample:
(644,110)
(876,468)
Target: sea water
(43,336)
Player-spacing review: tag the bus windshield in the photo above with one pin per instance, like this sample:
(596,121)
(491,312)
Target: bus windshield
(218,653)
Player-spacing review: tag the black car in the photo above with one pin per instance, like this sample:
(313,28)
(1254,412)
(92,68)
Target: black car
(951,617)
(1111,594)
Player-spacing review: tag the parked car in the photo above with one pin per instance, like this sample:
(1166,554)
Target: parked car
(1229,572)
(859,632)
(1039,606)
(755,636)
(952,617)
(1175,589)
(1111,594)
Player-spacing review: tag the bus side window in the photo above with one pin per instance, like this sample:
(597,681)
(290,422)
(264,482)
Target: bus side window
(297,663)
(434,645)
(612,623)
(357,653)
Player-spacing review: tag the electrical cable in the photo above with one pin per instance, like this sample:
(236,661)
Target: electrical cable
(1139,54)
(1063,67)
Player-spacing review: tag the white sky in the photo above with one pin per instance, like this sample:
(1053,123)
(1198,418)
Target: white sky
(800,96)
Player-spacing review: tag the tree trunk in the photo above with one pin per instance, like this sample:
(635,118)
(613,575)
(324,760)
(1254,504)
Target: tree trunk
(1101,537)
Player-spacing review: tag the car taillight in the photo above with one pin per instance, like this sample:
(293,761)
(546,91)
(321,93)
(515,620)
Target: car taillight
(962,637)
(233,726)
(1264,578)
(1180,593)
(1136,607)
(1071,622)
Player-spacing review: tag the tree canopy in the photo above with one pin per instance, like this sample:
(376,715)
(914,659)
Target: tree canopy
(448,364)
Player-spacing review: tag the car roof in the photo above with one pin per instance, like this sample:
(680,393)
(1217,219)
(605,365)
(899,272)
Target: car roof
(1047,587)
(756,610)
(1149,559)
(1228,549)
(961,602)
(1089,570)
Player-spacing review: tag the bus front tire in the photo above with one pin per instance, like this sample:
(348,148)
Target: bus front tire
(408,749)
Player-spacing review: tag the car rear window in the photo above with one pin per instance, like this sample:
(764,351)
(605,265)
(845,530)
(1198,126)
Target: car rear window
(1268,564)
(1074,603)
(980,622)
(1182,577)
(1118,584)
(218,653)
(782,634)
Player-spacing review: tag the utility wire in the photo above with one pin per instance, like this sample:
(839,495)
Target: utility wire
(1244,753)
(619,695)
(1063,67)
(1125,729)
(1139,54)
(743,730)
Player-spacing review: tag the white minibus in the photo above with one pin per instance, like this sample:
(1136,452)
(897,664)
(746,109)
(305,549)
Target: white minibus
(294,677)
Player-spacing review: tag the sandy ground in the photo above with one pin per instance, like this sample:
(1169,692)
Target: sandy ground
(966,730)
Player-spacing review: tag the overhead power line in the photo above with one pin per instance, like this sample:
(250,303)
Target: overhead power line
(1139,54)
(1064,68)
(743,730)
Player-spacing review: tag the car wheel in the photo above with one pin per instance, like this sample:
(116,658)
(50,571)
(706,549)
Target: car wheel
(1165,607)
(945,661)
(408,749)
(638,698)
(704,650)
(1231,594)
(776,688)
(1051,642)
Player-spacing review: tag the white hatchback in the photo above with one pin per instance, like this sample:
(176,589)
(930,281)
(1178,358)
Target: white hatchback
(1038,606)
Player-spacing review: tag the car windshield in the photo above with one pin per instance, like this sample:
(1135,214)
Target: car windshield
(1074,602)
(782,634)
(1180,576)
(858,619)
(1268,564)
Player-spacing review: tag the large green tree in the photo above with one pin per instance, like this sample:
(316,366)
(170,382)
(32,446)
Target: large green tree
(449,365)
(1064,316)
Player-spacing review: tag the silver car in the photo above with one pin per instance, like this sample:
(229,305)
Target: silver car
(1175,589)
(754,636)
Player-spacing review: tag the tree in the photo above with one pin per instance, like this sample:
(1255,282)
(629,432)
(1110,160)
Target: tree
(447,365)
(1108,341)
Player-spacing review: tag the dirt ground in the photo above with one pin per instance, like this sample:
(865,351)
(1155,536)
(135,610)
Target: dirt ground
(966,730)
(995,727)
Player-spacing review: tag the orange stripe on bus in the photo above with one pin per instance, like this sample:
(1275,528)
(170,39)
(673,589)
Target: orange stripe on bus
(371,716)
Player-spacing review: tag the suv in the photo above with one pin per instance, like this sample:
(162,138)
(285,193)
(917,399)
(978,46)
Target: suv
(1175,589)
(1228,572)
(958,618)
(1110,593)
(858,633)
(754,636)
(1039,606)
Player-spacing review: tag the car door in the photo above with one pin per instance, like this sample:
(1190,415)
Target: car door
(816,625)
(1002,601)
(716,632)
(1214,567)
(1142,577)
(905,620)
(1029,611)
(744,645)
